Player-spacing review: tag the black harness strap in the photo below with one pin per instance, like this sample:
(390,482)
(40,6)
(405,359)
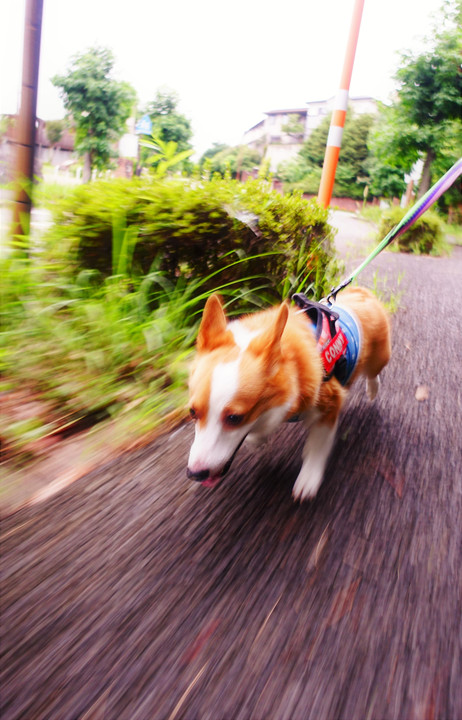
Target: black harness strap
(320,316)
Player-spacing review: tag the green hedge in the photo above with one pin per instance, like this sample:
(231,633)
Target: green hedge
(195,228)
(424,237)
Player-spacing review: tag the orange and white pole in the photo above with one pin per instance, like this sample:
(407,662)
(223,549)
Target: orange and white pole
(337,123)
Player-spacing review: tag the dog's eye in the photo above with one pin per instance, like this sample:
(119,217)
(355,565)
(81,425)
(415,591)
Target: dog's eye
(233,420)
(192,413)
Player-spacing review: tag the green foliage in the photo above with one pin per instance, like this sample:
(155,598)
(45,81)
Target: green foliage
(430,89)
(230,161)
(189,229)
(55,130)
(314,148)
(295,125)
(424,237)
(165,156)
(386,163)
(168,124)
(371,213)
(85,348)
(47,194)
(352,174)
(6,122)
(216,148)
(308,181)
(425,122)
(449,151)
(168,127)
(98,104)
(390,298)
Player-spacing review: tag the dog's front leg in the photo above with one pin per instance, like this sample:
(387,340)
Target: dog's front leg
(316,451)
(267,423)
(255,440)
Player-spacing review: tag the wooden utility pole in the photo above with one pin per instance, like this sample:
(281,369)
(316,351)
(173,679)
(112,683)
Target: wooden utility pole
(25,128)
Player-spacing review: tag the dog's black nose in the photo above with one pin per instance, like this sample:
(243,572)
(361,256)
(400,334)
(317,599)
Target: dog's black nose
(199,476)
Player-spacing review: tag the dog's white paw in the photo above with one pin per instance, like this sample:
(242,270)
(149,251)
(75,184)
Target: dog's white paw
(372,387)
(307,484)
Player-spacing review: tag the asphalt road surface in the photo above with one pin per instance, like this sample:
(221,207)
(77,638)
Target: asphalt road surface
(135,594)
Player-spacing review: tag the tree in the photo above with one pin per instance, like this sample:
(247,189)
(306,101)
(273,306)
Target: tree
(212,151)
(295,125)
(352,170)
(167,123)
(231,159)
(385,180)
(168,126)
(98,104)
(428,110)
(314,148)
(54,131)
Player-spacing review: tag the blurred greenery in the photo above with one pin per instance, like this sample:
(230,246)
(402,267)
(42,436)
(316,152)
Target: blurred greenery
(304,172)
(190,227)
(424,237)
(168,126)
(422,123)
(99,105)
(165,155)
(225,160)
(85,342)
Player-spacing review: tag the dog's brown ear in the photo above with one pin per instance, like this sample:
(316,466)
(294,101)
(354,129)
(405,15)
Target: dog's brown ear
(274,346)
(278,326)
(268,345)
(213,324)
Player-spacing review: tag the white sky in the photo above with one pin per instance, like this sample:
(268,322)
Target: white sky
(229,62)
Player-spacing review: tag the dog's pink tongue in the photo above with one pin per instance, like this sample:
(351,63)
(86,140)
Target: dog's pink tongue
(211,482)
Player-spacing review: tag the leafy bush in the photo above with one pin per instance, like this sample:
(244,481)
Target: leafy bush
(74,353)
(99,323)
(193,229)
(424,237)
(230,160)
(308,184)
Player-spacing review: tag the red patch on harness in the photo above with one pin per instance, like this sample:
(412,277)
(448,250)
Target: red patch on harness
(334,349)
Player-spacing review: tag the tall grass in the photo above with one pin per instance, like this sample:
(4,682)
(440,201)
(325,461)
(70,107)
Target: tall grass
(85,350)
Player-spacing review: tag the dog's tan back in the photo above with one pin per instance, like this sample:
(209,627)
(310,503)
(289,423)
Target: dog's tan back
(375,329)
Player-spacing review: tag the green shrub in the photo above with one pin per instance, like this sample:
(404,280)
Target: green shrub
(100,321)
(194,229)
(82,352)
(424,237)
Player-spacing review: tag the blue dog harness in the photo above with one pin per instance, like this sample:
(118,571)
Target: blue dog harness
(338,337)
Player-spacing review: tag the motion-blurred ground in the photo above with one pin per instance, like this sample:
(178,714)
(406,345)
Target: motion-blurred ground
(135,594)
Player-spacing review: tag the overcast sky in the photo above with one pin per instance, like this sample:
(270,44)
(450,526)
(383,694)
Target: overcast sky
(229,62)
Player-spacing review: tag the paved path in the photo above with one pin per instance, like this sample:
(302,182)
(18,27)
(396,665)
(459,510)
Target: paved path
(136,595)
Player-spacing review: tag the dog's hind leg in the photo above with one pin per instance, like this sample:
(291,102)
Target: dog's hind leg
(372,386)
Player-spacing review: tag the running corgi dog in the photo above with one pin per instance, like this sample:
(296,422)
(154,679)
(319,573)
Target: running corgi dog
(252,374)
